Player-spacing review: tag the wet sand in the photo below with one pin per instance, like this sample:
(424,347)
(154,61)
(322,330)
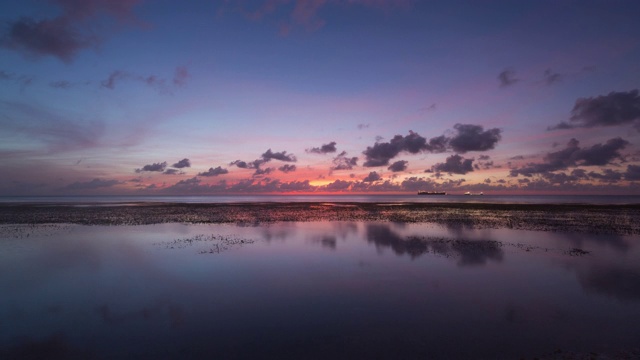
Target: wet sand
(581,218)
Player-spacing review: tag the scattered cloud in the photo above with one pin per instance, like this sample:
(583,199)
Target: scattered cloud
(153,167)
(507,78)
(573,155)
(632,173)
(363,126)
(324,149)
(613,109)
(342,162)
(181,76)
(214,172)
(287,168)
(470,137)
(381,152)
(173,172)
(184,163)
(373,176)
(68,33)
(91,185)
(282,156)
(23,80)
(261,172)
(551,77)
(607,175)
(304,14)
(398,166)
(160,84)
(454,164)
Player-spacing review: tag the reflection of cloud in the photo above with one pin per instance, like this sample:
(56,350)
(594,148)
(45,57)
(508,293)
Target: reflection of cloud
(469,252)
(615,241)
(327,241)
(619,281)
(174,312)
(55,346)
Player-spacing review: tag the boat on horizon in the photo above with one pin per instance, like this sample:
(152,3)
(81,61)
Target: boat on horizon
(432,193)
(468,193)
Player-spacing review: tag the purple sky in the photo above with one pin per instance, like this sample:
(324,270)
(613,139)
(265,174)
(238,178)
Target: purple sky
(317,96)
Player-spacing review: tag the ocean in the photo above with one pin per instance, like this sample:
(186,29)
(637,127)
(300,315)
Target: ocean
(491,199)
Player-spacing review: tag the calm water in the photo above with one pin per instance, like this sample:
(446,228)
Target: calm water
(313,290)
(512,199)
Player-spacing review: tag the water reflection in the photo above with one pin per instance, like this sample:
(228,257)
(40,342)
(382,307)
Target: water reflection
(112,292)
(621,282)
(469,252)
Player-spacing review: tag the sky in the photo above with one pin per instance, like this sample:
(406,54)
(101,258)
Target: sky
(156,97)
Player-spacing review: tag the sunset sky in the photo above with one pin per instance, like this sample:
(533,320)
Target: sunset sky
(319,96)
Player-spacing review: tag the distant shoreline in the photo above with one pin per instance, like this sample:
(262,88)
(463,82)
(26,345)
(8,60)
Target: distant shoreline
(581,218)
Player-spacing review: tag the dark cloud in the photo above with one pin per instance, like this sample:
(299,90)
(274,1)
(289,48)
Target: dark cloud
(287,168)
(632,173)
(398,166)
(373,176)
(559,178)
(260,172)
(255,164)
(66,34)
(381,152)
(240,164)
(194,185)
(91,185)
(56,37)
(153,167)
(551,77)
(342,162)
(415,184)
(363,126)
(438,144)
(574,155)
(484,157)
(324,149)
(470,137)
(614,109)
(454,164)
(607,175)
(338,185)
(296,186)
(184,163)
(282,156)
(172,172)
(600,154)
(507,78)
(214,172)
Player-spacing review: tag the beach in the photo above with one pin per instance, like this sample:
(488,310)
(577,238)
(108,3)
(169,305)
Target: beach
(319,280)
(581,218)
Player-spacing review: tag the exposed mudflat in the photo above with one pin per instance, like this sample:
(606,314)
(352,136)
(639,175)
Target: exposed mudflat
(607,219)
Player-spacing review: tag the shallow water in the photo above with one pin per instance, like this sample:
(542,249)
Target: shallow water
(314,290)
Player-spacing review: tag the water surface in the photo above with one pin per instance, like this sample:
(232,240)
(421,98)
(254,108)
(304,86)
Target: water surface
(314,290)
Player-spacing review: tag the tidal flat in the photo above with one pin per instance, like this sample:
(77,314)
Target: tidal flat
(319,281)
